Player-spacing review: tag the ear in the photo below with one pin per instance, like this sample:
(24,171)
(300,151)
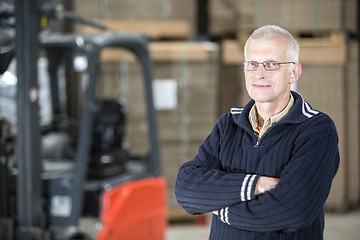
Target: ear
(295,73)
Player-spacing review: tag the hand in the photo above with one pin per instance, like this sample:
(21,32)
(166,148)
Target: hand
(265,184)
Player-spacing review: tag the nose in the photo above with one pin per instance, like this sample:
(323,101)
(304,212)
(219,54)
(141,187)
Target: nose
(260,72)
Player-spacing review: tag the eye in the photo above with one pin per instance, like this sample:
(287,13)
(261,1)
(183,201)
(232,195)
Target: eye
(250,65)
(271,65)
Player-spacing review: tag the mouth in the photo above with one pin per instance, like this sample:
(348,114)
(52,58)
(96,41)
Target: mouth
(261,85)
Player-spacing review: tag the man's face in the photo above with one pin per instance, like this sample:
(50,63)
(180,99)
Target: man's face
(268,86)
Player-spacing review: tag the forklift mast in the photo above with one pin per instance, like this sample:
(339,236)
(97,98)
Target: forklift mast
(29,188)
(148,184)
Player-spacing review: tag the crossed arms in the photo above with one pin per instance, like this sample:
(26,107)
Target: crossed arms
(261,203)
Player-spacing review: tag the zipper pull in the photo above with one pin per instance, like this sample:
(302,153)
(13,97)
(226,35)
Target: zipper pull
(257,144)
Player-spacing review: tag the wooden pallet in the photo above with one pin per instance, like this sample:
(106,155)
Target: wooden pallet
(169,29)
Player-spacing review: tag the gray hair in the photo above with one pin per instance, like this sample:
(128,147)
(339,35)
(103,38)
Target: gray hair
(271,32)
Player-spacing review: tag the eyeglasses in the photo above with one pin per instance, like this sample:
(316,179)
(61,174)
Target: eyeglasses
(268,65)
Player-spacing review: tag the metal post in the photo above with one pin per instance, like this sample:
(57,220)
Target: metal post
(202,17)
(358,41)
(29,189)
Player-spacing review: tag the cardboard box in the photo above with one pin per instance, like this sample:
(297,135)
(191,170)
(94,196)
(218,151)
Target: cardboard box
(169,18)
(174,153)
(350,15)
(352,122)
(243,16)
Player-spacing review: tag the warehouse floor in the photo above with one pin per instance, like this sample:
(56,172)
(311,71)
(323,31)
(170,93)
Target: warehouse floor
(344,226)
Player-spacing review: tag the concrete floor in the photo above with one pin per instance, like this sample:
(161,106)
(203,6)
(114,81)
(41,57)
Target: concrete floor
(344,226)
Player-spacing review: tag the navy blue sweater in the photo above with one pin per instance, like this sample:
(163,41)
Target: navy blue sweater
(301,149)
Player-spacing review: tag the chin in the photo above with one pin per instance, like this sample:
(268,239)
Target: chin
(260,97)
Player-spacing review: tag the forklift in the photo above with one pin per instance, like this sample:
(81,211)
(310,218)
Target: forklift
(53,176)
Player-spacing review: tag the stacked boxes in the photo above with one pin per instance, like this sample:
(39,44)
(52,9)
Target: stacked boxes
(159,19)
(296,16)
(161,10)
(183,127)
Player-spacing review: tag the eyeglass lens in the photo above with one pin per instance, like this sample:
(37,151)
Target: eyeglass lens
(268,65)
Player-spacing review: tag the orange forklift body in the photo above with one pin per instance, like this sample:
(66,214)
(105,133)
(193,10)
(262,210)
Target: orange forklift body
(136,210)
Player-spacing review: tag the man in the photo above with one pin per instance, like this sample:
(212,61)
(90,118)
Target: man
(265,170)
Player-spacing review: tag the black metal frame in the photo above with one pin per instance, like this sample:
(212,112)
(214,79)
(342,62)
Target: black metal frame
(29,188)
(202,13)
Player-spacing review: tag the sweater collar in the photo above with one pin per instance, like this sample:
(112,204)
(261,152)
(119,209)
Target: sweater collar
(302,111)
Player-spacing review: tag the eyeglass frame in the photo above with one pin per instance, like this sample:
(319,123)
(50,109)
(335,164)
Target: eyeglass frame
(263,63)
